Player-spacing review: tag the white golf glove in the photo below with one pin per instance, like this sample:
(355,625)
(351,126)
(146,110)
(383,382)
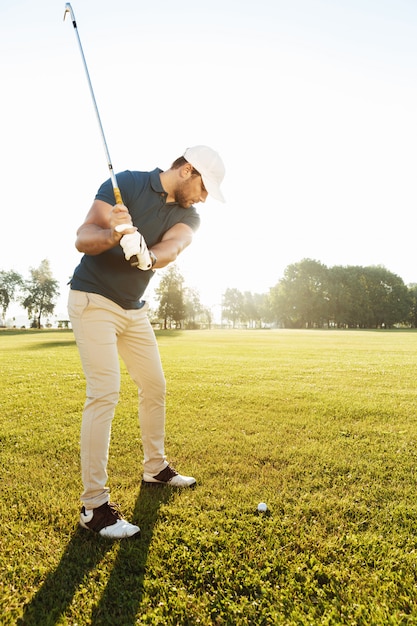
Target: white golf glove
(134,245)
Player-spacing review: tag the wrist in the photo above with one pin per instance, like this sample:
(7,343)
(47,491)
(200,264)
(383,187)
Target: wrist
(153,257)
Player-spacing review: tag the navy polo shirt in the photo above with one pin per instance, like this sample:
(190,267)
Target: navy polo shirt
(108,273)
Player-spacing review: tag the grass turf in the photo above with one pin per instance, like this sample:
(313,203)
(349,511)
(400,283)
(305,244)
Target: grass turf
(321,425)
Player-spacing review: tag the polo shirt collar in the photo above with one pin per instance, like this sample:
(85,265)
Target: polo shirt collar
(156,181)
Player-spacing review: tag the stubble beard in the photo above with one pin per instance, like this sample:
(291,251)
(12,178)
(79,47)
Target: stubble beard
(182,196)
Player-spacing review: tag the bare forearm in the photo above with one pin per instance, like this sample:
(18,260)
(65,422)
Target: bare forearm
(92,239)
(167,251)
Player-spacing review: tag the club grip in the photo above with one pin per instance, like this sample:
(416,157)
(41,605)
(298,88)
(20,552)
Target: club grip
(134,261)
(117,195)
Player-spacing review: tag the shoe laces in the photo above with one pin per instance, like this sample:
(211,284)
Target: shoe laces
(167,473)
(115,510)
(105,515)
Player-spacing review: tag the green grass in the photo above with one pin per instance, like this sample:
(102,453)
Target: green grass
(321,425)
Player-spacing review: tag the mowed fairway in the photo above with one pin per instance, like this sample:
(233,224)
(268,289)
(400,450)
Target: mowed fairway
(320,425)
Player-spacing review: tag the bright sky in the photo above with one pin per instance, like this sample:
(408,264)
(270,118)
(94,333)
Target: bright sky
(311,103)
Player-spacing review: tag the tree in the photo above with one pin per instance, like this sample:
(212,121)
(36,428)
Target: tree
(233,305)
(348,297)
(193,307)
(170,294)
(390,299)
(312,295)
(367,297)
(254,308)
(40,290)
(206,316)
(10,282)
(412,290)
(300,299)
(249,312)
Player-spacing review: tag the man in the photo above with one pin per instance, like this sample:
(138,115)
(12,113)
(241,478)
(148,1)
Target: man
(123,245)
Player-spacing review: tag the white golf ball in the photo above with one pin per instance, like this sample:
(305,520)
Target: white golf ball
(262,507)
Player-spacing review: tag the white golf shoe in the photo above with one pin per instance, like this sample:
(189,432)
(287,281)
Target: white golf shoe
(169,476)
(107,521)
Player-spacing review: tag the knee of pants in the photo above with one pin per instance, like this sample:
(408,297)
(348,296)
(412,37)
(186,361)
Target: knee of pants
(155,388)
(111,398)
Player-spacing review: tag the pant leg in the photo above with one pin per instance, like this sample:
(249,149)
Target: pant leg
(139,350)
(95,324)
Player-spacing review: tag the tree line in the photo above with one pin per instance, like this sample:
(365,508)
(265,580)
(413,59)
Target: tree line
(309,295)
(312,295)
(36,294)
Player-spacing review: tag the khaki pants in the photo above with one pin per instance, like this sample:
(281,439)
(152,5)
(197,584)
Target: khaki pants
(103,330)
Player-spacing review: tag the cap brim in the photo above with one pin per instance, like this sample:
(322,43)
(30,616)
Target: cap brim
(213,189)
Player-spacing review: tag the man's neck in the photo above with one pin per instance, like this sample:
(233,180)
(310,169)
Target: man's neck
(168,183)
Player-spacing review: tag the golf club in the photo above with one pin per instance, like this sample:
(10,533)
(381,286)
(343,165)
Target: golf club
(117,195)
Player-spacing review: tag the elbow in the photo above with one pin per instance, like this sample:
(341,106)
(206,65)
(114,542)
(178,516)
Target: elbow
(175,252)
(174,255)
(79,245)
(166,257)
(84,246)
(165,260)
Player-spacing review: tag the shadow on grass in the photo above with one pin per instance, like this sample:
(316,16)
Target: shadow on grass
(34,331)
(51,344)
(121,598)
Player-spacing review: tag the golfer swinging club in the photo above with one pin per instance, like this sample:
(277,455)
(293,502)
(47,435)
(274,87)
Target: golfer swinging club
(109,317)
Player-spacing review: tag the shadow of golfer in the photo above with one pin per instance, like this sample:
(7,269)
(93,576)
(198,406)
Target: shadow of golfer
(85,551)
(125,586)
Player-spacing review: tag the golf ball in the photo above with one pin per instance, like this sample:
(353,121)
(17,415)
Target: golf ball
(262,507)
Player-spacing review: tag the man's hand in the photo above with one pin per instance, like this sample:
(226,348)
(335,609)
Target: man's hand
(120,221)
(134,244)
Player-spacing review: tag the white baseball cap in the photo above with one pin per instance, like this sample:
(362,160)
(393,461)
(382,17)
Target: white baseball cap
(209,164)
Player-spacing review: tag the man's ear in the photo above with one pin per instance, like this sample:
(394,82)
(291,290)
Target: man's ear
(186,171)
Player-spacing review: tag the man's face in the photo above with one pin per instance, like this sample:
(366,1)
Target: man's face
(190,192)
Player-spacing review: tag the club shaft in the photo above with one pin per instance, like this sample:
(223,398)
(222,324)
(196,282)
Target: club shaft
(113,178)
